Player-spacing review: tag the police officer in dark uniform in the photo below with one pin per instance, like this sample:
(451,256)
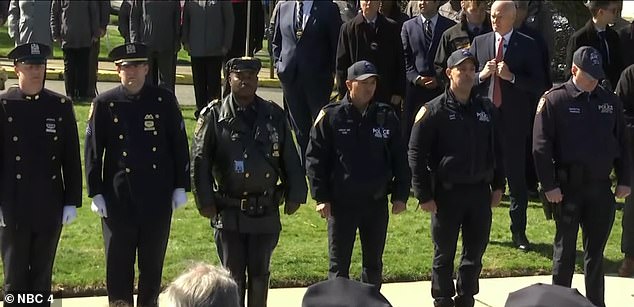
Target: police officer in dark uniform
(457,175)
(242,147)
(355,158)
(141,178)
(40,174)
(579,136)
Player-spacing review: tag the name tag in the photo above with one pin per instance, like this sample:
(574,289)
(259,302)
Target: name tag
(574,110)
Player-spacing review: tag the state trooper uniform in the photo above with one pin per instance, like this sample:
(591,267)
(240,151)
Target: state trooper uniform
(353,161)
(578,138)
(40,178)
(456,160)
(146,158)
(238,156)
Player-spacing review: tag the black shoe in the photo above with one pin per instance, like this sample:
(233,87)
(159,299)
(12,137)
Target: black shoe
(464,301)
(444,302)
(521,242)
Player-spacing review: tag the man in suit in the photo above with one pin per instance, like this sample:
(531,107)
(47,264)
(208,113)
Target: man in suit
(372,37)
(304,52)
(509,77)
(27,22)
(598,34)
(420,38)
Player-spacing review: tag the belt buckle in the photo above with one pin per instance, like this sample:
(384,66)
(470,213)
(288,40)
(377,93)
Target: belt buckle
(244,204)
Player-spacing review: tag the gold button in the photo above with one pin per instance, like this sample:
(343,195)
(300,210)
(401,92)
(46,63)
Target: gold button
(15,138)
(4,101)
(53,158)
(18,158)
(155,133)
(156,116)
(125,154)
(55,138)
(60,119)
(10,119)
(112,104)
(18,176)
(245,193)
(116,120)
(127,170)
(267,175)
(37,97)
(160,99)
(121,136)
(246,175)
(154,166)
(62,100)
(153,148)
(246,156)
(54,177)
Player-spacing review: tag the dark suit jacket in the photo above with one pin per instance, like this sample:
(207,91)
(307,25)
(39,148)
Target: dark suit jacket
(359,41)
(313,54)
(419,58)
(587,36)
(626,35)
(240,28)
(521,55)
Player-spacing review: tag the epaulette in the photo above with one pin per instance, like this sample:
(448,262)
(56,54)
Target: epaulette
(208,107)
(62,98)
(552,89)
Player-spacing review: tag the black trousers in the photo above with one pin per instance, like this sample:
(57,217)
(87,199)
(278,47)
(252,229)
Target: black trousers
(591,206)
(76,66)
(303,99)
(248,257)
(466,207)
(162,69)
(124,242)
(627,223)
(514,149)
(415,98)
(206,74)
(91,92)
(371,219)
(27,259)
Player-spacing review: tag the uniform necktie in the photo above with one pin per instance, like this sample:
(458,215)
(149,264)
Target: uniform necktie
(428,33)
(476,31)
(299,22)
(497,91)
(604,47)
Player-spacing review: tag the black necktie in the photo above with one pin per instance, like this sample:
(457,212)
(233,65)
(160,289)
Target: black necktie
(476,31)
(604,47)
(428,33)
(299,23)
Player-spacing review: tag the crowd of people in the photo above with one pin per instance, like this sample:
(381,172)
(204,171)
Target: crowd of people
(452,103)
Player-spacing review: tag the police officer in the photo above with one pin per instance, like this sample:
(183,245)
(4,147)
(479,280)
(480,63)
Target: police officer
(40,173)
(355,158)
(457,175)
(141,178)
(578,137)
(242,147)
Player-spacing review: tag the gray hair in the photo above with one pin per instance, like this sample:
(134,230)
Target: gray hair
(203,285)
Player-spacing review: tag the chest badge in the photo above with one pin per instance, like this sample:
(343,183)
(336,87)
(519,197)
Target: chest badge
(238,166)
(50,125)
(381,133)
(148,123)
(606,108)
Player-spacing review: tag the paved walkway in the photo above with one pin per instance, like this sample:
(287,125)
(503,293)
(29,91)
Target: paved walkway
(493,293)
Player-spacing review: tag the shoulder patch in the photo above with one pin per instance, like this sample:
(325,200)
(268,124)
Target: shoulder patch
(421,113)
(321,115)
(541,104)
(199,124)
(91,111)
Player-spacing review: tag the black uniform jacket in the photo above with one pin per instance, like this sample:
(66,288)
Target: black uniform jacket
(136,152)
(41,165)
(455,144)
(357,158)
(229,159)
(586,129)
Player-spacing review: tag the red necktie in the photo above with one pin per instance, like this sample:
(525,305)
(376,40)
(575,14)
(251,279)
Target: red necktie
(497,90)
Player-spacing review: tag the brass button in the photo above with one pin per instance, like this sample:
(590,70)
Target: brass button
(267,175)
(127,170)
(10,119)
(59,119)
(37,97)
(121,136)
(154,166)
(155,133)
(53,158)
(154,149)
(156,116)
(15,138)
(4,101)
(55,138)
(160,99)
(116,120)
(125,154)
(18,158)
(62,100)
(18,176)
(246,156)
(54,177)
(245,193)
(246,175)
(112,104)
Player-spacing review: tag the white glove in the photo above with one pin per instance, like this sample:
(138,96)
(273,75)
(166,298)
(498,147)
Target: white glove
(2,224)
(99,205)
(69,215)
(179,198)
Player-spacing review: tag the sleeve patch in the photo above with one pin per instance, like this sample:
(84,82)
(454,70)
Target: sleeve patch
(420,114)
(541,104)
(321,115)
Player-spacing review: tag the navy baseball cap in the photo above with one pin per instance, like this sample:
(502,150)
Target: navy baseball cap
(130,53)
(590,61)
(457,57)
(31,53)
(542,295)
(362,70)
(244,64)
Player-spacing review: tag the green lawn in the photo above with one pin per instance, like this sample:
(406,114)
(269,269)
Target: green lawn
(301,257)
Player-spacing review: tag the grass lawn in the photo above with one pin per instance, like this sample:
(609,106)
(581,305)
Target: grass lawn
(301,257)
(111,40)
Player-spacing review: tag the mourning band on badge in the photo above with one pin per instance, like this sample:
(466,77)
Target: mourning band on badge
(374,46)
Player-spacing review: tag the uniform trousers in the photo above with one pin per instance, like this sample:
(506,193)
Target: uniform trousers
(76,61)
(206,74)
(250,254)
(27,259)
(466,207)
(627,237)
(371,218)
(124,241)
(590,205)
(514,149)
